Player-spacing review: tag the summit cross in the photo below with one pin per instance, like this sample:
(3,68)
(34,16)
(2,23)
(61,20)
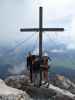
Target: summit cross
(40,29)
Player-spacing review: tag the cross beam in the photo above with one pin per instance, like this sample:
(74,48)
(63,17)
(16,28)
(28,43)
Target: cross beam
(41,30)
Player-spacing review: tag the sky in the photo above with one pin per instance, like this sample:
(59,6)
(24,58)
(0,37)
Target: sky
(15,14)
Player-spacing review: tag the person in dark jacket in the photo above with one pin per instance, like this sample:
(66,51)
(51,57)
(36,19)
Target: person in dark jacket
(36,71)
(29,64)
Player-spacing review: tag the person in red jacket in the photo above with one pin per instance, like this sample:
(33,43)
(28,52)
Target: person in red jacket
(45,69)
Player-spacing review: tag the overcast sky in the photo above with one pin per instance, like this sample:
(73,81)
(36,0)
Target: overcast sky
(15,14)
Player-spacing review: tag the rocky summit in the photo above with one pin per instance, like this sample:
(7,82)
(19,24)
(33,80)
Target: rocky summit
(60,88)
(9,93)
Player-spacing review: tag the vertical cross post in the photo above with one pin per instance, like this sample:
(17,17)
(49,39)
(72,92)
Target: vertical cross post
(40,32)
(40,40)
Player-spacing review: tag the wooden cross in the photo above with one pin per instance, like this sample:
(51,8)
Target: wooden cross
(41,30)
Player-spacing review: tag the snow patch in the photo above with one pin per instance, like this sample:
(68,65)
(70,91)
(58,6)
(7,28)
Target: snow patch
(61,91)
(6,90)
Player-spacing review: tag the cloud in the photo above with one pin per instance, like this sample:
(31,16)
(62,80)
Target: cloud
(36,52)
(53,3)
(70,47)
(15,14)
(17,69)
(72,35)
(57,51)
(59,13)
(56,9)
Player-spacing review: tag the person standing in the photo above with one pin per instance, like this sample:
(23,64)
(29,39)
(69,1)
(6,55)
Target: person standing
(45,72)
(46,69)
(29,65)
(36,71)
